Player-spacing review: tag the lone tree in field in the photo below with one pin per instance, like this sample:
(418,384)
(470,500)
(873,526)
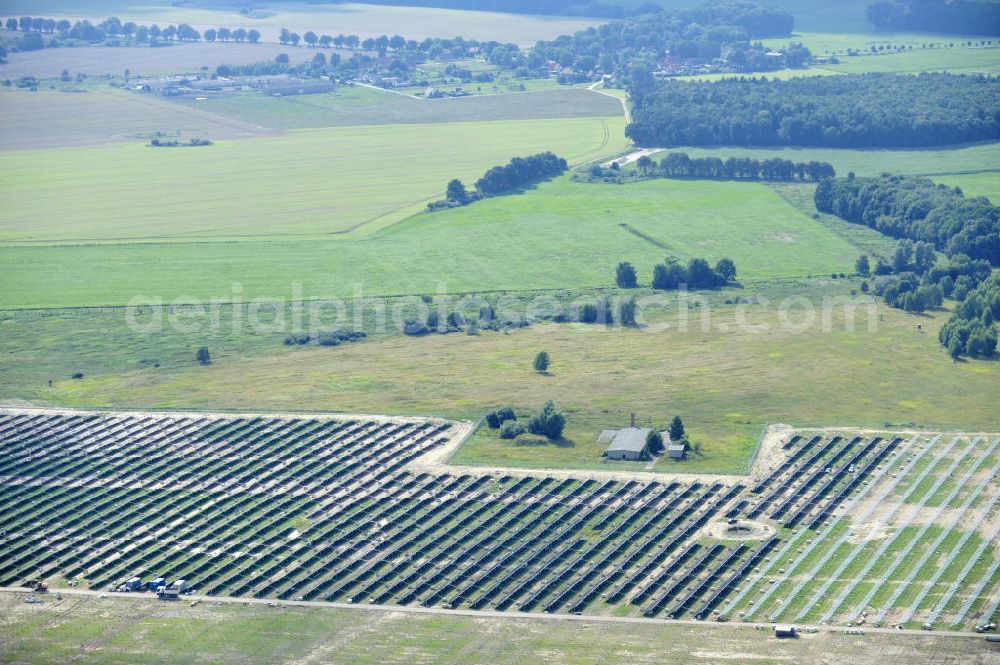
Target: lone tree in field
(626,314)
(676,429)
(726,269)
(542,362)
(203,356)
(456,192)
(654,442)
(862,266)
(625,276)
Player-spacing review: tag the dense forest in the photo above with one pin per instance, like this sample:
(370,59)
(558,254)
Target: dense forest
(960,17)
(710,31)
(970,330)
(852,111)
(916,208)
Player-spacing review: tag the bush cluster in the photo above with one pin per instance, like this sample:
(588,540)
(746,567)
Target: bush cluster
(331,338)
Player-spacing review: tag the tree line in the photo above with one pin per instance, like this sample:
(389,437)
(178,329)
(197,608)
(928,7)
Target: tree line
(918,209)
(112,31)
(960,17)
(850,111)
(589,8)
(113,28)
(519,172)
(681,165)
(672,275)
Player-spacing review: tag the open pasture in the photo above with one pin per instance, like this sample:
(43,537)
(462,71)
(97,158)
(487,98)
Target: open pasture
(305,183)
(563,234)
(358,105)
(348,18)
(959,159)
(142,630)
(955,60)
(726,381)
(285,508)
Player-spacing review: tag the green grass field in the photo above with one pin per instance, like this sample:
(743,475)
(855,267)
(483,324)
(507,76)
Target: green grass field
(960,159)
(363,106)
(128,630)
(309,182)
(725,381)
(955,60)
(562,235)
(976,184)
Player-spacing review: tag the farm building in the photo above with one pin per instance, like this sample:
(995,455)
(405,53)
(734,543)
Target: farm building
(629,444)
(676,451)
(781,631)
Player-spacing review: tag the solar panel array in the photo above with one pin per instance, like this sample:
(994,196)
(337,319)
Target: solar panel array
(326,509)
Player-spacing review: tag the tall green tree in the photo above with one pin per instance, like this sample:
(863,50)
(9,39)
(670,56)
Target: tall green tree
(625,276)
(676,429)
(541,363)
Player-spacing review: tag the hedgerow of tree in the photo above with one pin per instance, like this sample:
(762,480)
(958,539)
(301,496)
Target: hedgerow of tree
(672,275)
(519,173)
(681,165)
(851,111)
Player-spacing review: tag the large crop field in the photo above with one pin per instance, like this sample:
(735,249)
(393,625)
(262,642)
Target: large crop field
(347,18)
(285,508)
(363,106)
(308,182)
(34,121)
(175,59)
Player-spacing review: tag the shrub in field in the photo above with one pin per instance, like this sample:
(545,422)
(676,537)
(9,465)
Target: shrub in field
(498,417)
(511,429)
(548,422)
(541,363)
(203,356)
(528,440)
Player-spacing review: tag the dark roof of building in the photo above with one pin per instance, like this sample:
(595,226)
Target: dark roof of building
(630,439)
